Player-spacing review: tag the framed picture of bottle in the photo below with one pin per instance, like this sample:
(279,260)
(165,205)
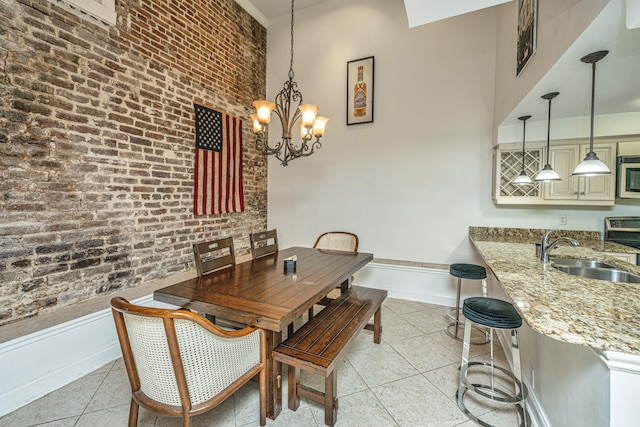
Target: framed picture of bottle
(360,91)
(527,34)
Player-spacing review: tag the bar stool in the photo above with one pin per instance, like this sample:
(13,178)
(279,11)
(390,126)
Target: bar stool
(493,314)
(468,272)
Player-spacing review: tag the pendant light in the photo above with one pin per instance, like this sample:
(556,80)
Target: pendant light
(547,173)
(591,165)
(523,178)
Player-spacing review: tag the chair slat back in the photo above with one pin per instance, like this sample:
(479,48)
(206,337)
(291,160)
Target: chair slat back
(214,255)
(338,241)
(264,243)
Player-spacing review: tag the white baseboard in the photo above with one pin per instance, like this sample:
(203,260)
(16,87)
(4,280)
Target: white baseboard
(423,284)
(37,364)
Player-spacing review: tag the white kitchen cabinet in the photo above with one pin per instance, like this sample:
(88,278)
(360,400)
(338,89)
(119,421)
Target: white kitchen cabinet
(598,189)
(570,190)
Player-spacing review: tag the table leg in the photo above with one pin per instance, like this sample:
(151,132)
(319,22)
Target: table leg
(274,376)
(346,284)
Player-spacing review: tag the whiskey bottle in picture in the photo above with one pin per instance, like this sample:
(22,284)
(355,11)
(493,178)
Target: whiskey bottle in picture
(360,95)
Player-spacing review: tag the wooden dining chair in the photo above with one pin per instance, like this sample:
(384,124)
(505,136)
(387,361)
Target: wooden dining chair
(179,364)
(264,243)
(337,241)
(214,255)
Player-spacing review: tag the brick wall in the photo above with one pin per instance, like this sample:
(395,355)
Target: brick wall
(97,143)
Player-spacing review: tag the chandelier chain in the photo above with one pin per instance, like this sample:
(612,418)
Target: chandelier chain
(291,51)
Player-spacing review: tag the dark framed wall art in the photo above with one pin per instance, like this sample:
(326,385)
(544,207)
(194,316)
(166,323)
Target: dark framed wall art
(527,23)
(360,91)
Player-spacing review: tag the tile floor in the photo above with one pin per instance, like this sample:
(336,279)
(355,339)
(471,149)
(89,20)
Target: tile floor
(410,379)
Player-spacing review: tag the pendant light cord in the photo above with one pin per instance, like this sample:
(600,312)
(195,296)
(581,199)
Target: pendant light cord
(548,131)
(593,96)
(524,132)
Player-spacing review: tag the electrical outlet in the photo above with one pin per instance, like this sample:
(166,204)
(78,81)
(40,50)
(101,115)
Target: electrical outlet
(563,219)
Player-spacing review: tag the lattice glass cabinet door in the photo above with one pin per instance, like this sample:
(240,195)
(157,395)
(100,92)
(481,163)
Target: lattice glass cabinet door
(508,165)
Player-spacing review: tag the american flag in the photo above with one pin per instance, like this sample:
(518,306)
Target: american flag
(218,167)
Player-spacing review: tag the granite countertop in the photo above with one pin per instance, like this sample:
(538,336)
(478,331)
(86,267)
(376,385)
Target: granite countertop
(597,313)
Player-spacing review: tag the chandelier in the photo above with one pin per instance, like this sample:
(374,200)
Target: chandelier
(311,125)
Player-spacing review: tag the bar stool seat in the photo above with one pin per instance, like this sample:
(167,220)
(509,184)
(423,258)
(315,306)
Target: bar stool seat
(467,272)
(493,314)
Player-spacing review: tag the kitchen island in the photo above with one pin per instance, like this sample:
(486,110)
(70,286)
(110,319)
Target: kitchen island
(581,339)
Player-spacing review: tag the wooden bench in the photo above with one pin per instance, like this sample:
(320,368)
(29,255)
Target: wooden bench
(318,344)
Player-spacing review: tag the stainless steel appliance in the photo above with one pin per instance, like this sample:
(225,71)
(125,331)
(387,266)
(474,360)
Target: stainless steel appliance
(624,230)
(628,177)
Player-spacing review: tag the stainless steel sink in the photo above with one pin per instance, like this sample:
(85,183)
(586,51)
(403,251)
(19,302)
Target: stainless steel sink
(610,274)
(575,262)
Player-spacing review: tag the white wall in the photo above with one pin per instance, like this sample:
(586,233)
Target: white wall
(412,182)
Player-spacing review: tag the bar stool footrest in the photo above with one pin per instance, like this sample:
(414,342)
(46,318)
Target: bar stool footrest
(524,419)
(478,388)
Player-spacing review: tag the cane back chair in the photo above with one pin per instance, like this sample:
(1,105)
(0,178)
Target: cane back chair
(180,364)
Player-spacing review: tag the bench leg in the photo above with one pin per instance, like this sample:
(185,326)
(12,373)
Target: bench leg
(293,380)
(377,325)
(330,402)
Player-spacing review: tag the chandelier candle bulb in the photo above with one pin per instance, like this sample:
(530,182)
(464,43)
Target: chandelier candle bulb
(309,112)
(305,132)
(319,125)
(257,127)
(263,111)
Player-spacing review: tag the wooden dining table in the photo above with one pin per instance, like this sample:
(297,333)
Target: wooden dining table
(262,293)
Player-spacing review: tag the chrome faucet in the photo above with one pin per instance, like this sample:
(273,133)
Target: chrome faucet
(546,247)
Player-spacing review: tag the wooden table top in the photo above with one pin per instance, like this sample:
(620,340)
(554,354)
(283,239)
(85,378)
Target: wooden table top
(261,293)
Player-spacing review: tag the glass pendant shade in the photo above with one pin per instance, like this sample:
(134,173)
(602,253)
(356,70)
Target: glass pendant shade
(523,178)
(547,174)
(591,165)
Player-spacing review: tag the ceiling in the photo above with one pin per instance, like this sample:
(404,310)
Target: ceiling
(419,12)
(265,11)
(618,86)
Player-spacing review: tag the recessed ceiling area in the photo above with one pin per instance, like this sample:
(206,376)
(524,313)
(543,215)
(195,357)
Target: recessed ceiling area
(419,12)
(264,11)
